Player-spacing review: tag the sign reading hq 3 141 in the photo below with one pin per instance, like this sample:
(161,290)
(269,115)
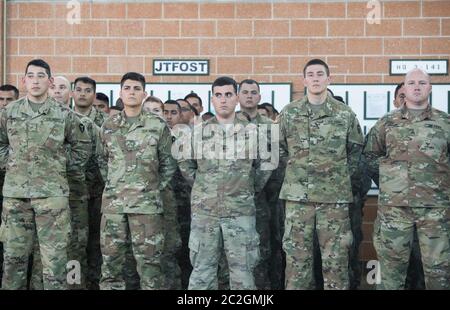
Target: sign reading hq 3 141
(180,67)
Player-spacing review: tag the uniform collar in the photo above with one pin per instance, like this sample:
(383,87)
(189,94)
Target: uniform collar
(140,122)
(426,114)
(43,109)
(326,109)
(236,121)
(92,113)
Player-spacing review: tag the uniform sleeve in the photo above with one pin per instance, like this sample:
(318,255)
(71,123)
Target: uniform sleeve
(167,164)
(102,154)
(375,149)
(4,142)
(354,149)
(284,153)
(264,166)
(186,161)
(93,174)
(80,148)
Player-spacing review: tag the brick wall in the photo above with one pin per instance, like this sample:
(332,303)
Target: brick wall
(266,41)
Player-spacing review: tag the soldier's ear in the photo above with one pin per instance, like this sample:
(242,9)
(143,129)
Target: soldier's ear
(51,81)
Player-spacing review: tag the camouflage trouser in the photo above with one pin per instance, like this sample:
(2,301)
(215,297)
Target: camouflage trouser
(76,249)
(393,235)
(183,197)
(94,255)
(36,281)
(141,233)
(223,274)
(355,269)
(241,244)
(172,241)
(1,244)
(278,257)
(261,272)
(415,279)
(332,224)
(130,273)
(355,213)
(50,218)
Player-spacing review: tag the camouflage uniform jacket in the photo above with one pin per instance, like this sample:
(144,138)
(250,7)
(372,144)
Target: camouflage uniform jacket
(32,146)
(78,187)
(98,117)
(411,155)
(321,151)
(224,187)
(139,163)
(94,179)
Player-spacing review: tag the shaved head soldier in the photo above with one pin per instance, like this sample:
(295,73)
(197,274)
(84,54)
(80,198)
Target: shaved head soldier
(408,157)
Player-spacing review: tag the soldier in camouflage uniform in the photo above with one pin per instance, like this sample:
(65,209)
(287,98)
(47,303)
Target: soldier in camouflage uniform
(8,94)
(408,155)
(223,209)
(33,134)
(321,140)
(78,202)
(182,194)
(137,146)
(84,97)
(172,240)
(414,278)
(249,97)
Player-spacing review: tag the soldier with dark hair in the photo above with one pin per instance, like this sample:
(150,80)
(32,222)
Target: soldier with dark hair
(223,210)
(321,142)
(101,102)
(34,132)
(138,166)
(8,93)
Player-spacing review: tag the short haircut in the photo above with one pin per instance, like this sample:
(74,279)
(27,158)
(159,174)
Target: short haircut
(119,102)
(193,109)
(208,114)
(260,106)
(223,81)
(115,107)
(194,95)
(153,99)
(339,98)
(39,63)
(249,81)
(397,89)
(102,97)
(9,87)
(173,102)
(316,61)
(134,76)
(85,80)
(269,106)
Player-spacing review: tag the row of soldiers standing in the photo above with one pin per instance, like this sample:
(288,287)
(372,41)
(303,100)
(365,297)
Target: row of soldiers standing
(232,200)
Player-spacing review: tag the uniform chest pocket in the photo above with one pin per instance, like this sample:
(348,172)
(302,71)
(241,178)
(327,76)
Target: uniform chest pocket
(331,137)
(17,131)
(432,141)
(297,136)
(147,149)
(51,132)
(397,139)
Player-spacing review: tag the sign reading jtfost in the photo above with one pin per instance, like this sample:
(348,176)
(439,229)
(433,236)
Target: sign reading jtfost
(180,67)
